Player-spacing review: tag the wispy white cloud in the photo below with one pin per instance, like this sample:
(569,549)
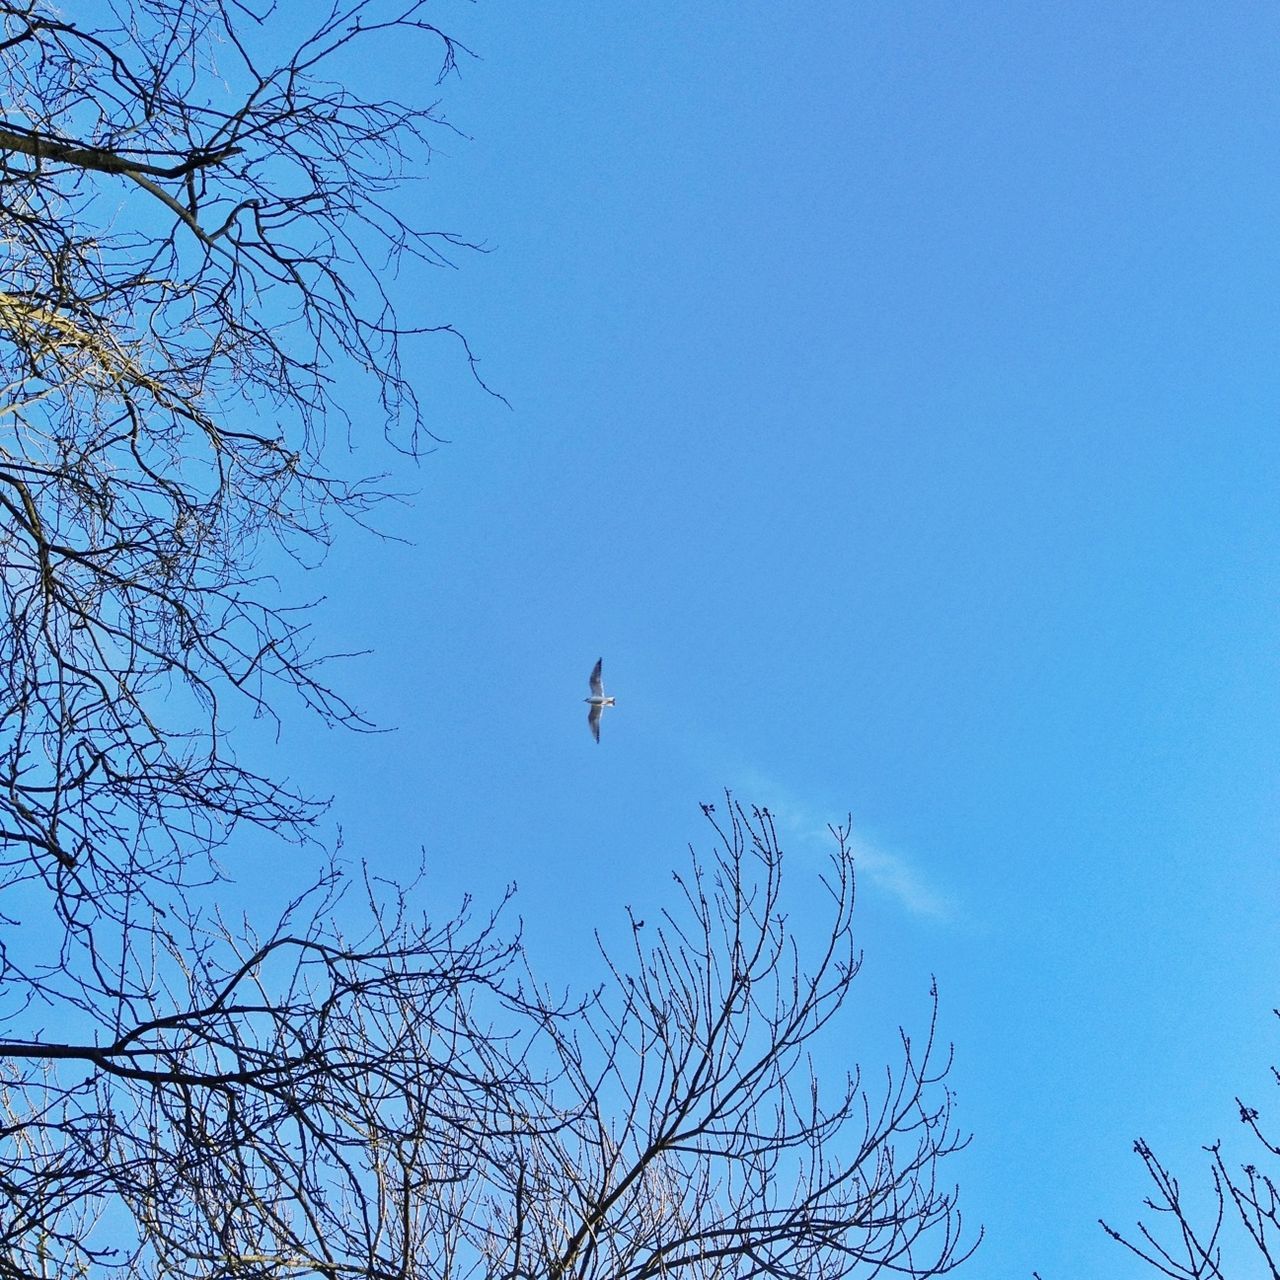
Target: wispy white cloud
(895,875)
(804,828)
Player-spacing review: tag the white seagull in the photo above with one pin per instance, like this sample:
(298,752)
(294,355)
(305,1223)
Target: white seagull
(597,700)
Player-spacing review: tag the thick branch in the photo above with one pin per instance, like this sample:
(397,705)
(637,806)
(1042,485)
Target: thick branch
(85,156)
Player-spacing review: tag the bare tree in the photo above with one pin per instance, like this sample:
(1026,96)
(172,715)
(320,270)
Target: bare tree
(199,222)
(698,1139)
(1230,1223)
(413,1104)
(278,1105)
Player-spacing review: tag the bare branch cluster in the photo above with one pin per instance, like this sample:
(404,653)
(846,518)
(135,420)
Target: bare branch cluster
(697,1139)
(278,1105)
(197,240)
(413,1104)
(1240,1231)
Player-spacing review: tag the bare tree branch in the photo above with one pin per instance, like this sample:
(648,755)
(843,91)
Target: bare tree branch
(1229,1227)
(199,240)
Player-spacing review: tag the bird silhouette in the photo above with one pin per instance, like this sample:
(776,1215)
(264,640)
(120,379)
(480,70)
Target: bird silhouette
(597,700)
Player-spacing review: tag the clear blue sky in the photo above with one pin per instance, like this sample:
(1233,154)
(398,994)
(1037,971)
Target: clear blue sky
(895,391)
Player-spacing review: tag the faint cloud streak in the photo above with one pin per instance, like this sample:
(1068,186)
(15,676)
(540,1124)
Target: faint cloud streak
(892,874)
(897,877)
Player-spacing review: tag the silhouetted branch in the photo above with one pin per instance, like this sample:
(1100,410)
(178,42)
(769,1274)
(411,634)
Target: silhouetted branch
(198,240)
(1232,1228)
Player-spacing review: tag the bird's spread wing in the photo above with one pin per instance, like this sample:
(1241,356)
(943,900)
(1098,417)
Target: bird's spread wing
(597,684)
(593,719)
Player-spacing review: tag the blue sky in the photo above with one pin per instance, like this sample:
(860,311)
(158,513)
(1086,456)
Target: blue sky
(894,393)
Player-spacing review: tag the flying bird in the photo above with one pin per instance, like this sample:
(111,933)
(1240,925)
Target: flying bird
(597,700)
